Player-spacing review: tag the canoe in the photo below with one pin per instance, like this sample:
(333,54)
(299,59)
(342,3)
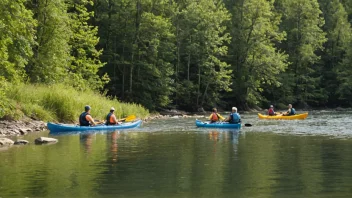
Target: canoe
(71,127)
(280,117)
(225,125)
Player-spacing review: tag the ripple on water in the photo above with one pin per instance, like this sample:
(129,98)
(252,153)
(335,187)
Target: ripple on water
(327,123)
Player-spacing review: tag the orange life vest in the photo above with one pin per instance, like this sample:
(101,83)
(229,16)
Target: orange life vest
(214,117)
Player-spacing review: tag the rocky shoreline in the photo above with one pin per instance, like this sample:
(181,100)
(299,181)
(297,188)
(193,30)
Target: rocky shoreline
(17,128)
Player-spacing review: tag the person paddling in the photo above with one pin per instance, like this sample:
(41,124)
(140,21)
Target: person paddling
(111,118)
(234,117)
(271,111)
(214,116)
(290,111)
(85,119)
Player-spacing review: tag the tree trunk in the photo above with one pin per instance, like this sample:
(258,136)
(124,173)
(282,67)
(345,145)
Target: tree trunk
(189,60)
(198,91)
(137,23)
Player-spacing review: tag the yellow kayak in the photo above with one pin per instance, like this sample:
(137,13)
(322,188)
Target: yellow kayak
(281,117)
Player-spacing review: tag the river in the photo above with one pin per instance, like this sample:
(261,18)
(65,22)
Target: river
(173,158)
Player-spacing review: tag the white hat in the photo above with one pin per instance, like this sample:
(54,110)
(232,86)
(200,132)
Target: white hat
(234,108)
(112,109)
(271,106)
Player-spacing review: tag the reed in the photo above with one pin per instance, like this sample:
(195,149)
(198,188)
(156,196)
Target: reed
(65,104)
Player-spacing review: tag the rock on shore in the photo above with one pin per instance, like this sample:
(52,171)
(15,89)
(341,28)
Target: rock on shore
(45,140)
(20,142)
(6,142)
(16,128)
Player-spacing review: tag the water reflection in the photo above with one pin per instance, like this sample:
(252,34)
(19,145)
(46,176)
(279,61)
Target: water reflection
(114,146)
(86,139)
(224,136)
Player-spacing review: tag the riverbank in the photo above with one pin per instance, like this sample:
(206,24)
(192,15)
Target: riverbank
(60,103)
(22,127)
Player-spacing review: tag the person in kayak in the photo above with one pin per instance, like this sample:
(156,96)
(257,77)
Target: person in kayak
(271,111)
(215,116)
(111,118)
(234,117)
(291,111)
(85,119)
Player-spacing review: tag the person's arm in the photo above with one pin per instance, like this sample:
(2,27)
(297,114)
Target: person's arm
(90,119)
(210,116)
(220,117)
(227,119)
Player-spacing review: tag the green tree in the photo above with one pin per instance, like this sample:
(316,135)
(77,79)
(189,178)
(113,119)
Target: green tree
(52,52)
(17,29)
(303,23)
(138,42)
(255,59)
(200,72)
(344,73)
(85,63)
(338,33)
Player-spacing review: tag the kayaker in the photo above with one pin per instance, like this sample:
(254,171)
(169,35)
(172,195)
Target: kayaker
(111,118)
(85,119)
(290,111)
(271,111)
(214,116)
(234,117)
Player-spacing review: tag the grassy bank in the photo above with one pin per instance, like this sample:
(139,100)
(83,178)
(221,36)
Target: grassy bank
(62,103)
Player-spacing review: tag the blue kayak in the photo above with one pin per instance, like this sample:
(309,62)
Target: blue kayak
(71,127)
(225,125)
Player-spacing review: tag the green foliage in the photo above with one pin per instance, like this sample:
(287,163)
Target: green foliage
(4,109)
(139,46)
(51,54)
(154,62)
(344,72)
(303,23)
(338,31)
(201,74)
(185,54)
(255,59)
(16,39)
(85,62)
(62,103)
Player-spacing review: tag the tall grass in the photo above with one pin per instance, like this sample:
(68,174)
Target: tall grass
(65,104)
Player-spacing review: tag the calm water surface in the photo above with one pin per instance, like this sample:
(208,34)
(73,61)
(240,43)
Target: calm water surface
(173,158)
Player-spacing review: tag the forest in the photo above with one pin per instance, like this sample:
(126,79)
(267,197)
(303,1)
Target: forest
(184,54)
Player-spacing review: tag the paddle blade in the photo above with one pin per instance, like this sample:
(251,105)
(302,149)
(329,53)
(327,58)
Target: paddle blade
(130,118)
(248,125)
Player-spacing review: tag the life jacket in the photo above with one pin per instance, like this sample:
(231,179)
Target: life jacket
(234,118)
(109,120)
(214,117)
(293,111)
(83,120)
(271,111)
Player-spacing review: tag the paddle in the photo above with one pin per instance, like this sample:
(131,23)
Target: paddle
(128,118)
(99,122)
